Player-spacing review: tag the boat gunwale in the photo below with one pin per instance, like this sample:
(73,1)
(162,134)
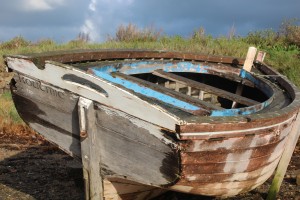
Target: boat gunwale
(66,57)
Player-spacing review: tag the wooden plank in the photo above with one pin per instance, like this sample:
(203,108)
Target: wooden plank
(205,105)
(229,177)
(236,143)
(231,155)
(141,152)
(249,59)
(117,98)
(205,87)
(50,111)
(116,189)
(232,167)
(90,153)
(261,56)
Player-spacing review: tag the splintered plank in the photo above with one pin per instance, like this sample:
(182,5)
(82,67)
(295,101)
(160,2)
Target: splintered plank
(202,104)
(205,87)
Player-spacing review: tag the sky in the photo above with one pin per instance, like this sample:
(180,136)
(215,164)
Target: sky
(63,20)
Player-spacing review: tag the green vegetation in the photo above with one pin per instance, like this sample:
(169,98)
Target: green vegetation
(282,47)
(8,112)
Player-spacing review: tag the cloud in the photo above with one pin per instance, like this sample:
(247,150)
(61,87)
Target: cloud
(100,18)
(62,22)
(40,5)
(92,5)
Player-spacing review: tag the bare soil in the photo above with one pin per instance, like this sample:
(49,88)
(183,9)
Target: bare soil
(31,168)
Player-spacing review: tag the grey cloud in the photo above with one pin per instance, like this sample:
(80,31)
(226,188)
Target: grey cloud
(173,16)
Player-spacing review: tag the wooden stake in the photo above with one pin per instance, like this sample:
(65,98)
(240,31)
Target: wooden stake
(249,59)
(285,159)
(260,56)
(90,153)
(247,67)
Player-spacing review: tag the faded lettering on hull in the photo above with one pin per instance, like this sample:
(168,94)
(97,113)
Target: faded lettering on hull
(39,85)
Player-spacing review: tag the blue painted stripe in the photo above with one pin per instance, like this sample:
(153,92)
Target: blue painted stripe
(137,68)
(266,89)
(230,112)
(146,91)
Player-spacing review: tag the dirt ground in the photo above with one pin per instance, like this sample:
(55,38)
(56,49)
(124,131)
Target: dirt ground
(31,168)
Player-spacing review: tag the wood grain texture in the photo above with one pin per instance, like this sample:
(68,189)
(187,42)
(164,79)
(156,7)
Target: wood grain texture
(117,97)
(49,113)
(120,189)
(205,87)
(90,150)
(134,149)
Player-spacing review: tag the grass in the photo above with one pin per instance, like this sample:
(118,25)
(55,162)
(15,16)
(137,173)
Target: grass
(8,112)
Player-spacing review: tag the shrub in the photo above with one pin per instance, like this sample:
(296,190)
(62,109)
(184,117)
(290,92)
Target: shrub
(132,33)
(15,43)
(291,31)
(264,38)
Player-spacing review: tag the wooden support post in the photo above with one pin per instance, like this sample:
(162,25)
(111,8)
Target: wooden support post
(201,94)
(90,153)
(247,67)
(260,56)
(285,159)
(189,91)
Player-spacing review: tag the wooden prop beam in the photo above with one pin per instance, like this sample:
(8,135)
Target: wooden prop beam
(285,159)
(247,67)
(90,153)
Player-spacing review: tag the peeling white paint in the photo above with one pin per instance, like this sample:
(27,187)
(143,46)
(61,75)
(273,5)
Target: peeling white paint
(236,131)
(118,98)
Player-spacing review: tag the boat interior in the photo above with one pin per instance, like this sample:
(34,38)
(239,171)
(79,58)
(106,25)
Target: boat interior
(192,88)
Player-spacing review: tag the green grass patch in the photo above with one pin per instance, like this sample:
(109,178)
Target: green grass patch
(8,112)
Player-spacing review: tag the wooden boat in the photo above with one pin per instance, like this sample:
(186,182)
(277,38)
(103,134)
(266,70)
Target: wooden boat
(144,122)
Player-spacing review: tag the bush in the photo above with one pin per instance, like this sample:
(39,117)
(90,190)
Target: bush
(291,31)
(264,38)
(132,33)
(15,43)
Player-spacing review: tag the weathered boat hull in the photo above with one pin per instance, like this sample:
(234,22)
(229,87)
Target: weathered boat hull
(137,142)
(227,166)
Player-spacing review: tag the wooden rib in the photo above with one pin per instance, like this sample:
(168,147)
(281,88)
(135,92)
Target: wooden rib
(204,105)
(205,87)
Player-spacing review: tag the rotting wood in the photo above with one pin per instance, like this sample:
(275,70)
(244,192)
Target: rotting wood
(90,153)
(205,87)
